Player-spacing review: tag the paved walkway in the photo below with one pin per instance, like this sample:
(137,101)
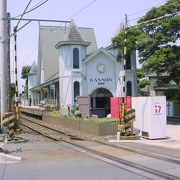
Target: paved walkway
(173,138)
(172,141)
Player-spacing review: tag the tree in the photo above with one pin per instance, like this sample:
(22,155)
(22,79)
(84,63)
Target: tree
(24,75)
(172,94)
(25,71)
(142,82)
(157,42)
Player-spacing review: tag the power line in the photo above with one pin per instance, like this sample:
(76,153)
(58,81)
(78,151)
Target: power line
(155,19)
(33,8)
(15,18)
(82,9)
(149,20)
(86,6)
(15,60)
(145,9)
(23,13)
(109,41)
(134,19)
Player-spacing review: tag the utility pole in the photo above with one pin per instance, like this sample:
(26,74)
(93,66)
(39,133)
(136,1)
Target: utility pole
(16,72)
(8,77)
(3,5)
(126,21)
(123,93)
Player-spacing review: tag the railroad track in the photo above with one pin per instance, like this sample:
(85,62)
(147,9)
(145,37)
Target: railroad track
(68,136)
(47,131)
(65,139)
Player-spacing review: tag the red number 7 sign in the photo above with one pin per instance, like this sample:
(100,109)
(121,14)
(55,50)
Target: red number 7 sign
(157,109)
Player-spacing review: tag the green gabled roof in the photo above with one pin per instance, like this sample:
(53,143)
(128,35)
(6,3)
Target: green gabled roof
(49,37)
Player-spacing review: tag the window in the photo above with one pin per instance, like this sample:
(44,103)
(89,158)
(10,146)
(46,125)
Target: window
(128,61)
(76,89)
(129,88)
(75,58)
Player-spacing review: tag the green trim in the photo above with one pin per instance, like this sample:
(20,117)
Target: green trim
(62,43)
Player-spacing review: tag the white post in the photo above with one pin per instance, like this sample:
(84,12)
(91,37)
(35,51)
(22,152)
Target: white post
(118,136)
(3,83)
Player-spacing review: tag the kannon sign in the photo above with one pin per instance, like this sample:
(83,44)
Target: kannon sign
(100,81)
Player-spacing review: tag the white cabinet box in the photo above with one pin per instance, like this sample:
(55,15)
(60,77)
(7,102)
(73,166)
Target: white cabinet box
(150,116)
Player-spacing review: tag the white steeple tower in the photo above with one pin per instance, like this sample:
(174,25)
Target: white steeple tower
(71,53)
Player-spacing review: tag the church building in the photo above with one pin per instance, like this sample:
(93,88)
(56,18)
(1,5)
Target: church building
(71,65)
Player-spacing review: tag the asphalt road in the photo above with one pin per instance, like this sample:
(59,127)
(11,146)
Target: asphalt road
(51,161)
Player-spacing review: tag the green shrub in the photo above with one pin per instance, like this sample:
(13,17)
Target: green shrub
(172,94)
(101,120)
(73,110)
(54,113)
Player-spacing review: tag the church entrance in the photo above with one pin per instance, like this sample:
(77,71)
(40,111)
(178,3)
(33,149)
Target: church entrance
(100,102)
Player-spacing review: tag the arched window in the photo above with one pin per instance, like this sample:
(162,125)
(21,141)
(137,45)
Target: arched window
(75,58)
(129,88)
(76,89)
(128,61)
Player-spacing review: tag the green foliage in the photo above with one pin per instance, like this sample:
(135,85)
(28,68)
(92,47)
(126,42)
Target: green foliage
(54,113)
(143,83)
(96,120)
(102,120)
(172,94)
(165,60)
(25,71)
(73,110)
(140,73)
(26,93)
(24,75)
(49,107)
(155,41)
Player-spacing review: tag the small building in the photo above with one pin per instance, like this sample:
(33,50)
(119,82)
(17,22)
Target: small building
(154,89)
(71,65)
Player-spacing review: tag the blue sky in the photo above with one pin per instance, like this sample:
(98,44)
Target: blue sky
(104,16)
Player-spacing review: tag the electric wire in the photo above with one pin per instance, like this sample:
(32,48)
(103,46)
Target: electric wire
(33,8)
(155,19)
(18,30)
(86,6)
(15,60)
(79,11)
(145,9)
(152,20)
(23,14)
(109,40)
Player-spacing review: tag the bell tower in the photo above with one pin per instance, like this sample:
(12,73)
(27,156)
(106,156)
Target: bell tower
(71,53)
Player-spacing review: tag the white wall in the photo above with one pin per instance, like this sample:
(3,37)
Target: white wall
(68,75)
(88,76)
(95,80)
(32,81)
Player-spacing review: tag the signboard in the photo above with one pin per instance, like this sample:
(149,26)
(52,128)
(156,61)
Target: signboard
(100,81)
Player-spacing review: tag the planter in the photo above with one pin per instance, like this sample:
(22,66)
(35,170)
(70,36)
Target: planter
(38,112)
(98,129)
(62,121)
